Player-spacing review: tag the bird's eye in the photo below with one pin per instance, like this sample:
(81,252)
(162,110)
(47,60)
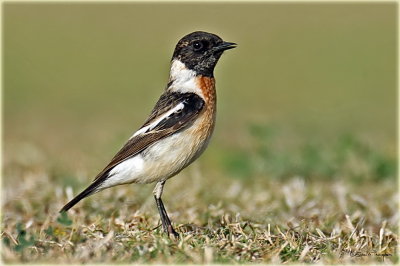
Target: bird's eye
(198,46)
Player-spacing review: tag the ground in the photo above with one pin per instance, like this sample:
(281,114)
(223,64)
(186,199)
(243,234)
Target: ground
(302,166)
(221,217)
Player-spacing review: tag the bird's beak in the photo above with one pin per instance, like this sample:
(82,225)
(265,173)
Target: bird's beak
(225,46)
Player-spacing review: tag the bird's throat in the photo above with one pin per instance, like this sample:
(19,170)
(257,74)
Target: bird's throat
(184,80)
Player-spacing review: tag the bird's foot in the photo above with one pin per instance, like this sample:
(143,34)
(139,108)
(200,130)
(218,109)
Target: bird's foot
(172,232)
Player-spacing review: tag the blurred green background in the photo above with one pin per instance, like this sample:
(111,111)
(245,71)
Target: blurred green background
(80,78)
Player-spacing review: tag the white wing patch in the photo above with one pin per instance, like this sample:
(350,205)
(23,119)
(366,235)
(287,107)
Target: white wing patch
(156,122)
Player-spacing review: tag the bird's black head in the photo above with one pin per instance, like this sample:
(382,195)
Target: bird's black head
(200,51)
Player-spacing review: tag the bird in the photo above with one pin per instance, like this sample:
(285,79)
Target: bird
(178,128)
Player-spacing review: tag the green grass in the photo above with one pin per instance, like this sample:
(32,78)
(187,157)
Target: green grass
(252,213)
(302,166)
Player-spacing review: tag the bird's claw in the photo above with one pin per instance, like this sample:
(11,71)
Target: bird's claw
(171,231)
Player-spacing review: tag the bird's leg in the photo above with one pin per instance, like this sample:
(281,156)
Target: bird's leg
(166,222)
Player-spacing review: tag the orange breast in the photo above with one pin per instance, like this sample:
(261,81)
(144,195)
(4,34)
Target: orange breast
(207,118)
(207,86)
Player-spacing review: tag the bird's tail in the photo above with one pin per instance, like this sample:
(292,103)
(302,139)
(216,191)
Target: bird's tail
(93,188)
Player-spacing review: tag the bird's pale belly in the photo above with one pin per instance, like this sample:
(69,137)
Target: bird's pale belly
(169,157)
(165,158)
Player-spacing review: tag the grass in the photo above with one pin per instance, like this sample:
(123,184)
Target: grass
(285,218)
(302,166)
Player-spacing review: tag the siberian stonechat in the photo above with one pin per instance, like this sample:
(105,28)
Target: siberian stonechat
(178,129)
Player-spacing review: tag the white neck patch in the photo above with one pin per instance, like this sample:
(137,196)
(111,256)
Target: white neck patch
(183,79)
